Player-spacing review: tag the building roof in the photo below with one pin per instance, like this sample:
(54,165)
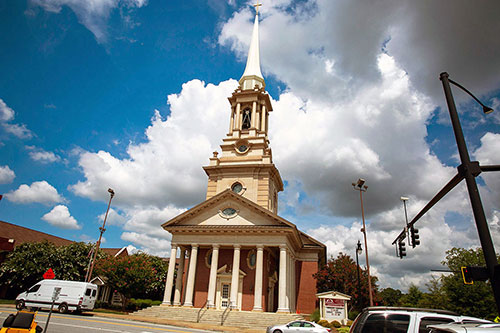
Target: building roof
(116,252)
(22,235)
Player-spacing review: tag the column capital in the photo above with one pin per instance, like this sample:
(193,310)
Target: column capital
(194,245)
(173,245)
(283,247)
(215,246)
(237,246)
(259,246)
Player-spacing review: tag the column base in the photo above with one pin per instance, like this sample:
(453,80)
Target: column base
(257,310)
(188,305)
(283,311)
(165,304)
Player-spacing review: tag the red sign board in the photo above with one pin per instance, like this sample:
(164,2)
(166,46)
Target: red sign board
(337,303)
(49,274)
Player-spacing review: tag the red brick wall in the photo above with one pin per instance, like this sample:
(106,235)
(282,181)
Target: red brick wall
(201,280)
(306,286)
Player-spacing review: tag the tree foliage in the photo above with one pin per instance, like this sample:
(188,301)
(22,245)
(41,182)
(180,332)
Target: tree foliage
(341,274)
(28,262)
(472,300)
(139,275)
(412,298)
(390,296)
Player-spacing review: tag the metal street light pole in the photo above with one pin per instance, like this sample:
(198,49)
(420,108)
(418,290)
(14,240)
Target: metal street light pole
(102,230)
(359,250)
(404,199)
(470,170)
(361,187)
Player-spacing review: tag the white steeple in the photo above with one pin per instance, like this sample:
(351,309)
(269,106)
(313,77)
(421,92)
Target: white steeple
(252,75)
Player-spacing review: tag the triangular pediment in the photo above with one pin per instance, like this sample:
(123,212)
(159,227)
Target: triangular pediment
(228,209)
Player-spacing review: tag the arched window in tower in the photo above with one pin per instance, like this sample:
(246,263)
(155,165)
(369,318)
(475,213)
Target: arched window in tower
(246,119)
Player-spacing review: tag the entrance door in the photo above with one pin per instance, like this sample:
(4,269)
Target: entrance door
(224,296)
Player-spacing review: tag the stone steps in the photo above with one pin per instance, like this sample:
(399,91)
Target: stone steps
(234,318)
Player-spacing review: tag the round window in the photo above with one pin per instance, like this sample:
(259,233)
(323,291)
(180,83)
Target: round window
(242,148)
(229,212)
(237,187)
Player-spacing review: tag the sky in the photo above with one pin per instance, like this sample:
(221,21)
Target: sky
(132,95)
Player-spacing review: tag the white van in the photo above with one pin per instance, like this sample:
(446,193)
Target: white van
(74,296)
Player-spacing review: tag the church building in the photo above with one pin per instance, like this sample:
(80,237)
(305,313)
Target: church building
(235,251)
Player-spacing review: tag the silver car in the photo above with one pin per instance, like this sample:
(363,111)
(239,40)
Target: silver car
(298,326)
(464,328)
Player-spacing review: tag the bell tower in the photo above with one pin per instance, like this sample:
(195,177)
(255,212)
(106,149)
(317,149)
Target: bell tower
(245,165)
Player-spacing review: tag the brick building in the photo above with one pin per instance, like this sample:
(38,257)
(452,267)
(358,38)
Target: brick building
(235,251)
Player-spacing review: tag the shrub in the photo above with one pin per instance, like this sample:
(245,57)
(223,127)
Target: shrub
(353,314)
(336,324)
(324,323)
(343,330)
(315,316)
(349,323)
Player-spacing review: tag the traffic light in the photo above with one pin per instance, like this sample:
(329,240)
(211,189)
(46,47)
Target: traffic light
(415,238)
(474,273)
(402,249)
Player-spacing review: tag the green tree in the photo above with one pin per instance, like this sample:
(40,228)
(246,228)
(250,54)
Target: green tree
(390,296)
(412,298)
(340,274)
(137,276)
(436,298)
(474,300)
(28,262)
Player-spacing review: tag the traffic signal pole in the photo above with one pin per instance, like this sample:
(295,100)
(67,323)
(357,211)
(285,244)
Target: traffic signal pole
(469,171)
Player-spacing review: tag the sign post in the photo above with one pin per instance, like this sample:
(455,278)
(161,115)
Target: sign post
(55,297)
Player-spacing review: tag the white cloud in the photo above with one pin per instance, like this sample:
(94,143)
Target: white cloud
(93,14)
(6,116)
(152,245)
(114,218)
(40,155)
(60,217)
(166,169)
(6,175)
(40,192)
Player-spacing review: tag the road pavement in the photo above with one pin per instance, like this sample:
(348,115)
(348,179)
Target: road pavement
(85,323)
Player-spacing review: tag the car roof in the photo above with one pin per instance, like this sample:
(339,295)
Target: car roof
(407,309)
(469,327)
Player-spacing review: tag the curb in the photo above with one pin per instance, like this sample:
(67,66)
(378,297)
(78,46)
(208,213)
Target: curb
(155,320)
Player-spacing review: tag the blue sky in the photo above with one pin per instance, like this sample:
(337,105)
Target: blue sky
(132,95)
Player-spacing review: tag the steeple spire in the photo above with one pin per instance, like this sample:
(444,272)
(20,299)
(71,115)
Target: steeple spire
(252,75)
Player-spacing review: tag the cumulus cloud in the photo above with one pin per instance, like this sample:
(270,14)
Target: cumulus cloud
(60,217)
(166,169)
(6,174)
(159,247)
(42,156)
(40,192)
(93,14)
(7,115)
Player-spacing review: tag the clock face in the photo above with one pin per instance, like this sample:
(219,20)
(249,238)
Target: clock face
(237,187)
(242,148)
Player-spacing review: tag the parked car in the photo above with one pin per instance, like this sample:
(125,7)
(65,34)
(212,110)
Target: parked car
(464,328)
(74,296)
(298,326)
(405,320)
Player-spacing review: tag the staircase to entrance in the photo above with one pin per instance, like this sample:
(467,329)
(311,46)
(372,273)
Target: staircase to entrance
(234,318)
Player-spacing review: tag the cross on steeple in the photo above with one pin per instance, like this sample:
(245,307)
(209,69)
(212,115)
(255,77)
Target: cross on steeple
(257,5)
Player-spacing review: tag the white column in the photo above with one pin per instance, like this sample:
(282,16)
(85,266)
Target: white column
(254,111)
(235,277)
(263,119)
(178,280)
(257,300)
(237,117)
(170,276)
(213,276)
(183,295)
(282,280)
(191,275)
(231,123)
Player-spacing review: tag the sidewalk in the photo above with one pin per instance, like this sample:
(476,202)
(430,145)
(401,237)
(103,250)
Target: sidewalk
(154,320)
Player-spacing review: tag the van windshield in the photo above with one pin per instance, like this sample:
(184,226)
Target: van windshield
(34,288)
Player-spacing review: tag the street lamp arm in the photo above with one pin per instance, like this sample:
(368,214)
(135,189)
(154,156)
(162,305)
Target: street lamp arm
(486,109)
(487,168)
(447,188)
